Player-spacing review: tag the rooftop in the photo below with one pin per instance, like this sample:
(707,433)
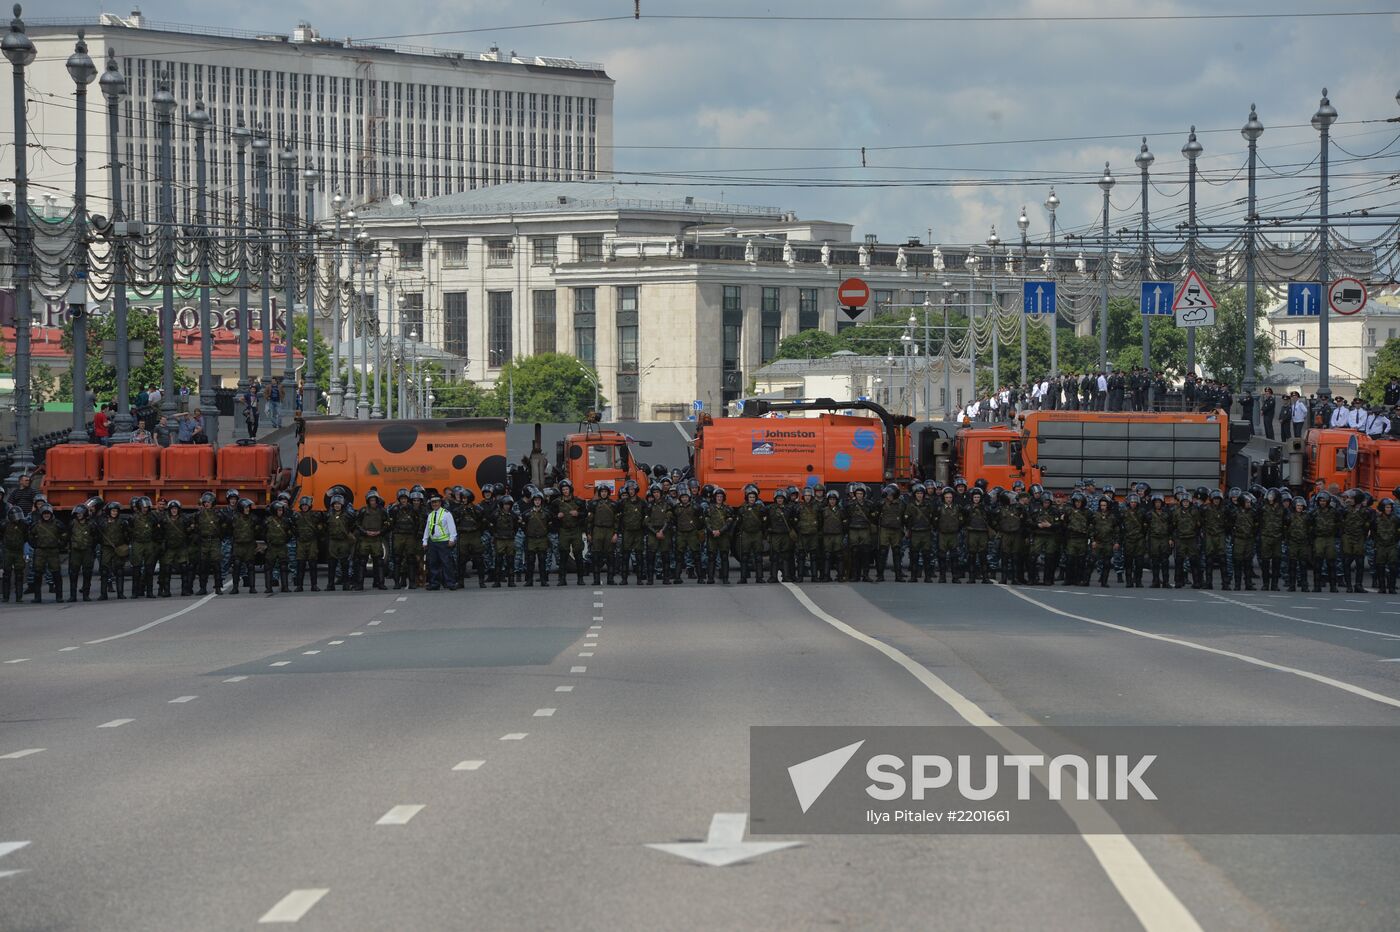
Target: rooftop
(556,197)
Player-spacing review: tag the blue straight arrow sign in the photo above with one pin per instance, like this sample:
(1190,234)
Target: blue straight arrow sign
(1157,298)
(1304,299)
(1038,297)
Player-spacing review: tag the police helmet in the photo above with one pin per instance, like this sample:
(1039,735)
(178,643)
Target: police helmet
(976,494)
(279,506)
(304,503)
(780,495)
(1077,499)
(1216,496)
(80,511)
(630,486)
(1322,498)
(960,482)
(750,489)
(1271,496)
(401,493)
(1300,503)
(1037,488)
(371,496)
(684,492)
(537,494)
(17,514)
(891,489)
(707,490)
(565,484)
(415,496)
(338,500)
(114,506)
(654,491)
(244,504)
(231,494)
(173,505)
(981,484)
(1387,505)
(417,487)
(1017,485)
(94,505)
(46,511)
(918,489)
(857,488)
(135,500)
(531,490)
(1133,499)
(949,494)
(832,495)
(720,494)
(602,488)
(1235,492)
(506,500)
(1158,500)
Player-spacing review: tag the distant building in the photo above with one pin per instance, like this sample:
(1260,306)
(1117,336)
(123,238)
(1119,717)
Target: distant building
(903,385)
(1352,343)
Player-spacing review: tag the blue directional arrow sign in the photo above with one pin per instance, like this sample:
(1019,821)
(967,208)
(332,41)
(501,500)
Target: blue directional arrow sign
(1304,299)
(1039,297)
(1157,298)
(699,405)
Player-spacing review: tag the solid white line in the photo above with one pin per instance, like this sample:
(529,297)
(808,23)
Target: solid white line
(1246,658)
(563,689)
(469,765)
(116,723)
(180,699)
(333,643)
(544,713)
(64,650)
(515,736)
(310,653)
(586,653)
(151,624)
(294,905)
(279,663)
(1309,621)
(18,660)
(1154,904)
(399,815)
(16,755)
(578,669)
(235,679)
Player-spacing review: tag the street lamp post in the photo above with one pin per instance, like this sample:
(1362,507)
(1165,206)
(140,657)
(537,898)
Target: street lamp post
(1322,121)
(376,412)
(113,86)
(288,160)
(199,118)
(311,389)
(20,51)
(1106,183)
(241,137)
(362,411)
(262,168)
(947,356)
(337,392)
(971,265)
(1143,160)
(1051,204)
(994,244)
(1192,150)
(1252,130)
(428,395)
(83,72)
(164,103)
(1023,223)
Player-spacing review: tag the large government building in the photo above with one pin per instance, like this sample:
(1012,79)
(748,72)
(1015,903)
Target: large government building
(374,119)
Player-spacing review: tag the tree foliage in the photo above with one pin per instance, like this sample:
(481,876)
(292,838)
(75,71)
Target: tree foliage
(809,344)
(545,387)
(1221,347)
(102,377)
(1384,367)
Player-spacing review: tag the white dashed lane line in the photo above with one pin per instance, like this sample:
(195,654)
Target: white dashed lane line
(357,634)
(375,622)
(469,765)
(279,663)
(402,598)
(334,643)
(64,650)
(116,723)
(563,689)
(545,713)
(600,592)
(597,604)
(235,679)
(390,611)
(578,669)
(16,755)
(399,815)
(18,660)
(310,653)
(585,653)
(294,905)
(515,736)
(181,699)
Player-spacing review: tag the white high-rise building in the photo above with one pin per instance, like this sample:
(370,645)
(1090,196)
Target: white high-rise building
(373,119)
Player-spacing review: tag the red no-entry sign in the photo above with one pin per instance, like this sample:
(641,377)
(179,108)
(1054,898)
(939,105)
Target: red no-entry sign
(853,294)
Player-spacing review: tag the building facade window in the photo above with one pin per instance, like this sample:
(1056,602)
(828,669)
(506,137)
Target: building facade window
(771,322)
(627,328)
(585,325)
(882,297)
(808,317)
(454,323)
(544,250)
(498,338)
(544,321)
(454,253)
(412,313)
(1370,336)
(410,254)
(732,327)
(1302,338)
(500,253)
(590,248)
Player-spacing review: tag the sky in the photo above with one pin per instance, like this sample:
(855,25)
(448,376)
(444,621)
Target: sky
(962,123)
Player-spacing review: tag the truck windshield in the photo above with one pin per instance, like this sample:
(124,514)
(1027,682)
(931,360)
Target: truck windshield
(602,457)
(996,453)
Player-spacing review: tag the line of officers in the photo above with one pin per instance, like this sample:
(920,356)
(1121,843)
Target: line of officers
(681,530)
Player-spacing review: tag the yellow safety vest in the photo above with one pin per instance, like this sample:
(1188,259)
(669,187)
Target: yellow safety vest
(436,531)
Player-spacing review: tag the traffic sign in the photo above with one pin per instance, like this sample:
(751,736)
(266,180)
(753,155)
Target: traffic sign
(1304,299)
(853,293)
(1353,450)
(1157,298)
(698,405)
(1039,297)
(1194,305)
(1346,296)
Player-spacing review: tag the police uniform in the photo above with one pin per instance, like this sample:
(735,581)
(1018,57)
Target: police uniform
(719,527)
(310,527)
(602,534)
(175,550)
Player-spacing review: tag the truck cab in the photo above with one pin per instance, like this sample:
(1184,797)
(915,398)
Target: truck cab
(1351,460)
(994,454)
(600,456)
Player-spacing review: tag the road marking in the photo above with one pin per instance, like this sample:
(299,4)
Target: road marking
(333,643)
(515,736)
(64,650)
(294,905)
(116,723)
(159,621)
(469,765)
(375,622)
(563,689)
(591,644)
(578,669)
(1153,599)
(180,699)
(597,604)
(724,845)
(6,847)
(357,634)
(18,660)
(544,713)
(16,755)
(309,653)
(390,611)
(1246,658)
(1358,602)
(586,653)
(600,592)
(279,663)
(599,627)
(1346,609)
(1150,899)
(399,815)
(235,679)
(1391,660)
(1309,621)
(597,617)
(402,598)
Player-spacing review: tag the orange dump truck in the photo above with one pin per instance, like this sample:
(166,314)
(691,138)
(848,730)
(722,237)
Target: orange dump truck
(388,455)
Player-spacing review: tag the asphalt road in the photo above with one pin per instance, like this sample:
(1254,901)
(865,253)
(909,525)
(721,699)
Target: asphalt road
(501,759)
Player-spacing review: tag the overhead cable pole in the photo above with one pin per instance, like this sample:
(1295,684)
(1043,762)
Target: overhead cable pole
(83,72)
(1251,131)
(1192,151)
(1144,160)
(1106,183)
(1322,121)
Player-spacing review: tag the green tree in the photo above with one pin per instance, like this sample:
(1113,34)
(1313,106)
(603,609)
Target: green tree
(43,387)
(809,344)
(322,362)
(545,387)
(102,378)
(1384,367)
(1221,347)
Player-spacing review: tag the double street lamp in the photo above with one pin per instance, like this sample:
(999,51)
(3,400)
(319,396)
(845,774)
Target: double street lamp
(20,51)
(1106,183)
(83,72)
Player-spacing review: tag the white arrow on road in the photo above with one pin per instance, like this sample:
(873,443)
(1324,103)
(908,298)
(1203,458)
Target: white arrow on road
(725,844)
(5,848)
